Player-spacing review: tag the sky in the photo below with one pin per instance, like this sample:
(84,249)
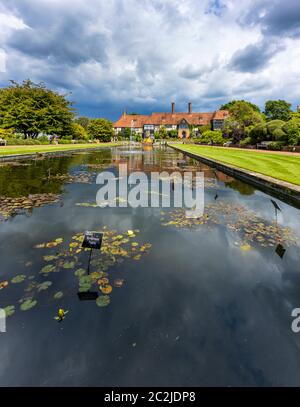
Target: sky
(140,55)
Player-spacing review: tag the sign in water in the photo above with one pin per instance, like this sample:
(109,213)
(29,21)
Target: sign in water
(92,240)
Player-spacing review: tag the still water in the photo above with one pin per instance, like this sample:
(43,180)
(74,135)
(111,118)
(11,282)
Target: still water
(180,303)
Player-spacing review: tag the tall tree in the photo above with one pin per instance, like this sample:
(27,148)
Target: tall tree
(242,115)
(230,105)
(101,129)
(278,109)
(31,109)
(83,121)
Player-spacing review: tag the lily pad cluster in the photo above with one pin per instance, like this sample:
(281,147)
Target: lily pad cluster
(61,256)
(12,206)
(250,228)
(79,178)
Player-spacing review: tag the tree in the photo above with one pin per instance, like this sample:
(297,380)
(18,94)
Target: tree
(83,121)
(278,109)
(101,129)
(127,133)
(230,105)
(31,109)
(242,115)
(292,129)
(79,133)
(162,133)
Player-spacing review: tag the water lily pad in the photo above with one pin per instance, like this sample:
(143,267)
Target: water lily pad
(80,272)
(106,289)
(10,310)
(28,304)
(44,286)
(69,264)
(50,268)
(18,279)
(3,284)
(245,248)
(103,300)
(58,295)
(50,258)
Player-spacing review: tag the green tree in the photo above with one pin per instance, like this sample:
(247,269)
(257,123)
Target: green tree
(126,133)
(242,115)
(278,109)
(101,129)
(79,133)
(230,105)
(292,129)
(162,133)
(31,109)
(83,121)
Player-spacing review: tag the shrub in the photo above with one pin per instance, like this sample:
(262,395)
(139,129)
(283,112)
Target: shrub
(276,145)
(214,137)
(22,142)
(6,133)
(101,129)
(246,142)
(65,141)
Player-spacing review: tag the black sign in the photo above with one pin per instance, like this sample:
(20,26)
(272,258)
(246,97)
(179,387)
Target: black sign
(92,240)
(280,250)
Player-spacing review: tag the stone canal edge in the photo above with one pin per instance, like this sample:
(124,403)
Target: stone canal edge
(286,191)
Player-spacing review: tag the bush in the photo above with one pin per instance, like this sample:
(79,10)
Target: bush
(101,129)
(276,145)
(65,141)
(6,133)
(214,137)
(78,132)
(246,142)
(203,129)
(22,142)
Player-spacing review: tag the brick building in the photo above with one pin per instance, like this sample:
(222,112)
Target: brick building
(181,122)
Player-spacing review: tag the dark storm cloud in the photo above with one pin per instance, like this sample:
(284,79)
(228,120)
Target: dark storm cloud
(56,33)
(254,57)
(276,18)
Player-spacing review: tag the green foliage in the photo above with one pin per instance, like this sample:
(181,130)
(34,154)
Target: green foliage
(230,105)
(276,146)
(137,137)
(78,132)
(101,129)
(212,137)
(162,133)
(292,129)
(203,129)
(26,142)
(6,133)
(83,121)
(172,133)
(246,141)
(278,109)
(126,133)
(31,109)
(242,115)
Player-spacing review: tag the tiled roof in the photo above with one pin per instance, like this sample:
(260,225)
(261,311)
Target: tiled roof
(221,114)
(127,120)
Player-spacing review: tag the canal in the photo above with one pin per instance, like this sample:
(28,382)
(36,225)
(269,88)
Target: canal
(180,302)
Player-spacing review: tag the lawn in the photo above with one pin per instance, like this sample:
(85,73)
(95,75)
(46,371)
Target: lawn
(280,166)
(47,148)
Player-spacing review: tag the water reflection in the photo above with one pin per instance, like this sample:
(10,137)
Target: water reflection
(196,309)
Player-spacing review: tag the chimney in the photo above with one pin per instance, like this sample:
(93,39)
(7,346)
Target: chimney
(173,107)
(190,107)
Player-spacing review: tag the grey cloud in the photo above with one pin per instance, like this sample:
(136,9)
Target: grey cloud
(276,18)
(194,72)
(254,57)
